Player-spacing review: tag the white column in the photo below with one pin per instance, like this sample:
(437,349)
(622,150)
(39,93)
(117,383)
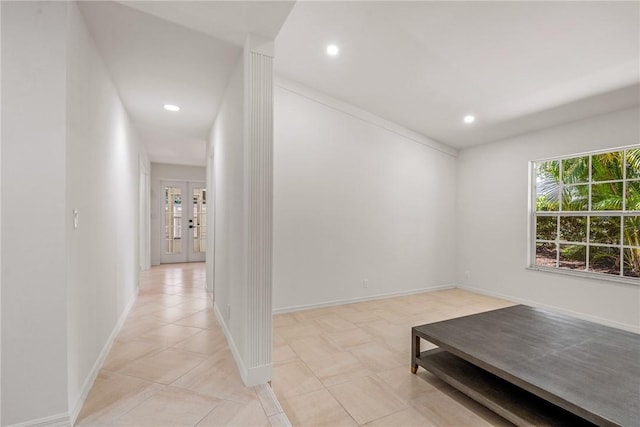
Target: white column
(259,203)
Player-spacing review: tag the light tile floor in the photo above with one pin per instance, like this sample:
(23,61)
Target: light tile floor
(171,365)
(346,365)
(349,365)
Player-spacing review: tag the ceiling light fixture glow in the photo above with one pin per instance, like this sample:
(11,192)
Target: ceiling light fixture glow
(170,107)
(332,50)
(469,119)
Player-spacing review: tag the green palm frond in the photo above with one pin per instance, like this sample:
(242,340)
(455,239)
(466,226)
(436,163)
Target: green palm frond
(598,179)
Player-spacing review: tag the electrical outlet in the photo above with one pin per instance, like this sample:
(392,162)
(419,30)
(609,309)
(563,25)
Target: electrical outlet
(365,283)
(467,275)
(228,312)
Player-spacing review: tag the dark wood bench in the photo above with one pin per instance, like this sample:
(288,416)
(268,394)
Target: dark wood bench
(536,367)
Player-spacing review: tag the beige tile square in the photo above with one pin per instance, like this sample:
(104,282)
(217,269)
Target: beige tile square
(401,345)
(135,327)
(168,300)
(196,291)
(123,352)
(283,354)
(163,367)
(358,317)
(427,317)
(172,314)
(338,368)
(294,378)
(333,323)
(386,330)
(349,338)
(314,348)
(410,386)
(367,399)
(392,316)
(195,304)
(318,408)
(278,340)
(141,308)
(305,315)
(169,407)
(205,319)
(445,410)
(218,377)
(170,334)
(285,319)
(234,414)
(207,341)
(406,418)
(112,395)
(378,357)
(298,331)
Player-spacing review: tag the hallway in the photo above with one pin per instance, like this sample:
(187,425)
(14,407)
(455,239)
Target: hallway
(171,365)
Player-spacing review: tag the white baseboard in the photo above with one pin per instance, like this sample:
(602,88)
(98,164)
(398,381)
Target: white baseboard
(250,376)
(93,374)
(583,316)
(258,375)
(360,299)
(232,344)
(60,420)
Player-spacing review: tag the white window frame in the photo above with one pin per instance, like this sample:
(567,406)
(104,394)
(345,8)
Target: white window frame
(533,215)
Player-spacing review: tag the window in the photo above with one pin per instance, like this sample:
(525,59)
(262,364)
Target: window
(586,214)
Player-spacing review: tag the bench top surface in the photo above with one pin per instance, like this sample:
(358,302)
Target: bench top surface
(585,367)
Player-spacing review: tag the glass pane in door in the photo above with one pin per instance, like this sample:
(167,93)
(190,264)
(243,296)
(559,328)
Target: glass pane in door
(172,220)
(199,222)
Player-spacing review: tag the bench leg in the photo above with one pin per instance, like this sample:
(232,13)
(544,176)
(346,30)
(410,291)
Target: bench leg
(415,352)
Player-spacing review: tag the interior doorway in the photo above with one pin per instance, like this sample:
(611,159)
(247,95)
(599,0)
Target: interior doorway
(144,244)
(184,221)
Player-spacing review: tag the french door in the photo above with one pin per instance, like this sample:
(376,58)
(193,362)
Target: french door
(184,222)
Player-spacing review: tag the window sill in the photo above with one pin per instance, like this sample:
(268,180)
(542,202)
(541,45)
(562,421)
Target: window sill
(584,274)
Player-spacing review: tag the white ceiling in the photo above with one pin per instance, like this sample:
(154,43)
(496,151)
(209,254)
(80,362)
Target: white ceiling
(517,66)
(230,21)
(176,60)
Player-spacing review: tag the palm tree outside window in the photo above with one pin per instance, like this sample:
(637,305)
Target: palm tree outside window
(586,214)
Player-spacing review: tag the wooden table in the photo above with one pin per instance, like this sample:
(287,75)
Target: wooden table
(537,367)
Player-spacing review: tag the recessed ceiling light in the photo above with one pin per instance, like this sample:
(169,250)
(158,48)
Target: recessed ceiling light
(170,107)
(469,119)
(332,50)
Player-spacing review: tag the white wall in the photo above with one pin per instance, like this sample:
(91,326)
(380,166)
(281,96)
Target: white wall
(69,146)
(34,362)
(102,179)
(161,172)
(227,174)
(355,198)
(0,223)
(492,221)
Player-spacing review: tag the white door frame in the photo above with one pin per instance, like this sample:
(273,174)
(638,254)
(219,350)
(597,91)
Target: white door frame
(145,218)
(211,226)
(185,252)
